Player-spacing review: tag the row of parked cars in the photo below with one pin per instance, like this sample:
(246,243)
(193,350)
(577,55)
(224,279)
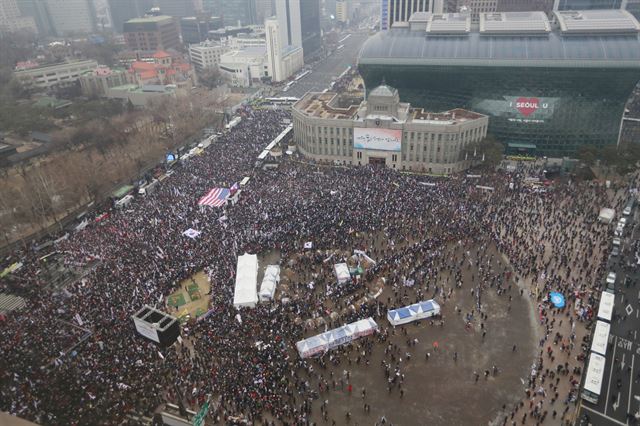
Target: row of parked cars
(616,249)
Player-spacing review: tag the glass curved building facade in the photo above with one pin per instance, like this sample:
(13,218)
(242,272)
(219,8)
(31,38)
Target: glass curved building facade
(548,93)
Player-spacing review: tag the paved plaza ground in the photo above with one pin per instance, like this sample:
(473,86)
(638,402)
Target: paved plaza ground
(441,390)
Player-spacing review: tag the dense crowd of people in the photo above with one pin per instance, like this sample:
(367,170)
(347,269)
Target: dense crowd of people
(416,233)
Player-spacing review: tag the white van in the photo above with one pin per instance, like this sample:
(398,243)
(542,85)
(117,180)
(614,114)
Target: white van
(124,202)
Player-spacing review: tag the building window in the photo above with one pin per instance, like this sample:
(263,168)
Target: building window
(359,156)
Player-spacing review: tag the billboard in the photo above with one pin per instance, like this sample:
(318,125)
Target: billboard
(146,329)
(377,139)
(519,109)
(524,109)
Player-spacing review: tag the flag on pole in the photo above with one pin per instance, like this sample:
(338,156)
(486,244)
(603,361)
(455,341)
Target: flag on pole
(234,188)
(215,197)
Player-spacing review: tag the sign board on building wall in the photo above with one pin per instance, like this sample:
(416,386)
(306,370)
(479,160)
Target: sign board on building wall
(377,139)
(529,109)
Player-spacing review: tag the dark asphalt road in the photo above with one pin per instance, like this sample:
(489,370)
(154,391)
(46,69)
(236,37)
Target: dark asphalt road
(330,68)
(619,402)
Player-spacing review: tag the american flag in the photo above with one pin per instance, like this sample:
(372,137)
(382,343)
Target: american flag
(215,198)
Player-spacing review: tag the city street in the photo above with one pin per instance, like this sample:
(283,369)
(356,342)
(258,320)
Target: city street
(619,402)
(330,68)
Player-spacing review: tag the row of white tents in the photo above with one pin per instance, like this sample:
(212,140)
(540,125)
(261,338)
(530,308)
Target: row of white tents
(415,312)
(269,283)
(245,293)
(347,333)
(338,336)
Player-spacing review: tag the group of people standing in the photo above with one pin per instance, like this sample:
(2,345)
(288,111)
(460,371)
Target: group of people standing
(249,367)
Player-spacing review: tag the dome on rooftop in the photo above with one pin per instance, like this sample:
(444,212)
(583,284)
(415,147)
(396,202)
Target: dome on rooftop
(384,90)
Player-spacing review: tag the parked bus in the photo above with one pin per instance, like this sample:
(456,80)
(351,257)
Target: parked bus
(593,379)
(284,100)
(628,208)
(605,309)
(600,340)
(302,75)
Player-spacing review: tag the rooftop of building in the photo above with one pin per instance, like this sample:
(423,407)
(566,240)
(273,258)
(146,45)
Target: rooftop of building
(454,116)
(58,64)
(326,105)
(206,43)
(346,106)
(147,88)
(103,71)
(384,90)
(596,21)
(149,19)
(590,39)
(247,52)
(514,23)
(161,54)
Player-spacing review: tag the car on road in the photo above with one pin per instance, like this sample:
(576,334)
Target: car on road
(611,282)
(623,221)
(619,231)
(615,251)
(617,246)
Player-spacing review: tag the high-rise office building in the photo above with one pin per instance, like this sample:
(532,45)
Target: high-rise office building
(525,5)
(195,29)
(71,16)
(123,10)
(399,11)
(586,4)
(237,12)
(152,33)
(288,16)
(264,10)
(310,24)
(284,40)
(178,8)
(38,11)
(342,11)
(11,18)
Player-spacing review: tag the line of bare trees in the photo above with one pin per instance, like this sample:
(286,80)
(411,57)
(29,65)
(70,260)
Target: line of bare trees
(90,161)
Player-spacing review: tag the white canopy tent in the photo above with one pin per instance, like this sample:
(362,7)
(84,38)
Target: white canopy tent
(338,336)
(606,215)
(269,283)
(414,312)
(342,272)
(245,294)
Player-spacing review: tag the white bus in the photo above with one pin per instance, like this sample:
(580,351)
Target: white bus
(302,75)
(600,338)
(605,309)
(283,100)
(593,378)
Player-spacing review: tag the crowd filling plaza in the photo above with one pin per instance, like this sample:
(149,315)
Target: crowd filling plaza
(484,261)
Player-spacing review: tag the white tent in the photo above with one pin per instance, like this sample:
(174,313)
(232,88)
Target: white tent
(414,312)
(338,336)
(269,282)
(606,215)
(245,294)
(342,272)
